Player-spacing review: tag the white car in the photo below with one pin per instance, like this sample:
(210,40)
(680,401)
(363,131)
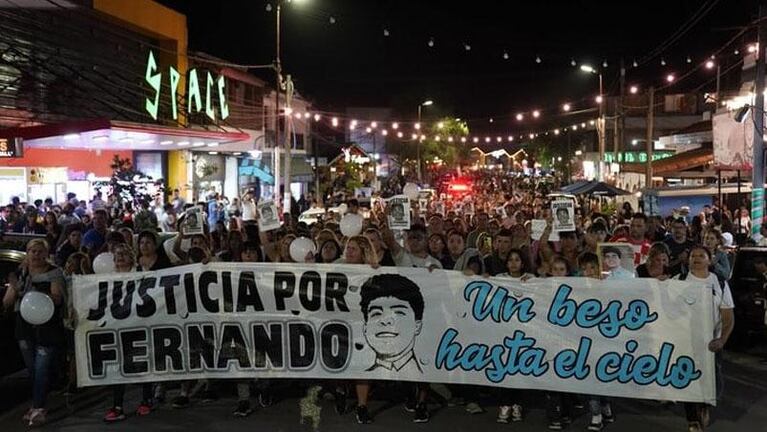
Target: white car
(311,216)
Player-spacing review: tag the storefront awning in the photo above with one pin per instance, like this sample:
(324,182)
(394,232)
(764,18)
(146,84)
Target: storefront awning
(104,134)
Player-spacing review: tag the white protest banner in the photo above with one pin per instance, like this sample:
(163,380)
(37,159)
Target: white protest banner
(193,223)
(537,226)
(268,216)
(563,211)
(645,339)
(399,212)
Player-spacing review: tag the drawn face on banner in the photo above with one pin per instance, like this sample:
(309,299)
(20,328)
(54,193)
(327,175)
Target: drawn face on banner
(392,306)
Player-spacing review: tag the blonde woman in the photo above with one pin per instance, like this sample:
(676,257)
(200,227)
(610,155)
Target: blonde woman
(38,343)
(359,250)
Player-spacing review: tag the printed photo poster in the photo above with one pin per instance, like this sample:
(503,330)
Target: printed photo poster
(468,208)
(616,260)
(399,212)
(194,222)
(268,216)
(537,227)
(423,205)
(563,210)
(439,208)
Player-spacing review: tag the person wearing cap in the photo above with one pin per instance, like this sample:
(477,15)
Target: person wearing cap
(612,261)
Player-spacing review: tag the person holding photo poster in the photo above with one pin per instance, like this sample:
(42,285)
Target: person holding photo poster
(193,223)
(268,216)
(563,210)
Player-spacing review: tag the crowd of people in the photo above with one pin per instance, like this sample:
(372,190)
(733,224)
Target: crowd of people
(494,239)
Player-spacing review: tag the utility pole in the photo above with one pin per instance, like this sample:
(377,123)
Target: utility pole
(649,141)
(601,127)
(757,180)
(621,117)
(278,80)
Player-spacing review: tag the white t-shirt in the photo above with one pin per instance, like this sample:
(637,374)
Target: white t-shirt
(509,276)
(406,259)
(248,210)
(722,300)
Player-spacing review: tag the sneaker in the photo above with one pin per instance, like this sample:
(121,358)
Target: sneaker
(504,412)
(363,416)
(181,402)
(421,413)
(516,413)
(566,420)
(28,415)
(143,409)
(596,423)
(555,425)
(694,427)
(243,409)
(37,417)
(410,405)
(265,399)
(607,414)
(114,415)
(208,396)
(474,408)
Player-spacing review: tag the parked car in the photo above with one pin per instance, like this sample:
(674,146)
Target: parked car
(10,360)
(311,216)
(748,292)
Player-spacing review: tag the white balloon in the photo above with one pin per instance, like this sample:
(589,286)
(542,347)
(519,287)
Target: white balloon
(301,247)
(351,225)
(411,191)
(104,263)
(36,308)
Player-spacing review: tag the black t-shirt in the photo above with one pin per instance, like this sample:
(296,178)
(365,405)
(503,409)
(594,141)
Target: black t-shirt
(676,250)
(387,260)
(50,333)
(495,265)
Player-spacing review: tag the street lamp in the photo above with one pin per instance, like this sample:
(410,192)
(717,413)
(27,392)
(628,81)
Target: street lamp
(601,124)
(418,145)
(286,143)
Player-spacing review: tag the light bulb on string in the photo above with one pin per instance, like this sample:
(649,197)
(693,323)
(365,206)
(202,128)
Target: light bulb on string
(670,78)
(635,64)
(476,140)
(430,43)
(368,130)
(498,139)
(386,32)
(520,116)
(556,131)
(736,52)
(440,125)
(598,99)
(492,119)
(417,126)
(399,134)
(384,132)
(633,89)
(414,136)
(573,62)
(505,55)
(575,127)
(395,125)
(374,125)
(604,64)
(753,48)
(437,138)
(663,62)
(487,139)
(332,20)
(538,59)
(510,138)
(566,107)
(710,64)
(334,121)
(316,117)
(463,139)
(467,47)
(689,60)
(592,122)
(449,139)
(536,114)
(353,124)
(532,136)
(268,7)
(307,115)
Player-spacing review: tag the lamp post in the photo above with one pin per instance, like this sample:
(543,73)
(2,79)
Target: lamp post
(418,145)
(601,121)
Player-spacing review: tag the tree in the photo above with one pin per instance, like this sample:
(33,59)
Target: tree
(438,142)
(128,184)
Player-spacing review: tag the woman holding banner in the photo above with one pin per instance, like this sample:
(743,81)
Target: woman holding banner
(125,262)
(38,343)
(724,322)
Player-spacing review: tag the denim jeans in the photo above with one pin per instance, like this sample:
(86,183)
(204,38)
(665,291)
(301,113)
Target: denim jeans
(38,360)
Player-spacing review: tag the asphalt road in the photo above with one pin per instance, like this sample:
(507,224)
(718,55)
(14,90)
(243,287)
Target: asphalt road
(742,408)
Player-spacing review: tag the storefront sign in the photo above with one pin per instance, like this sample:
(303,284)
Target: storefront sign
(11,148)
(193,93)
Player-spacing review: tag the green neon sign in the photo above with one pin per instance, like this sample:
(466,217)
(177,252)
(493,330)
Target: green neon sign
(193,95)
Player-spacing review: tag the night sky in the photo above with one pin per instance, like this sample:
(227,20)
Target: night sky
(352,62)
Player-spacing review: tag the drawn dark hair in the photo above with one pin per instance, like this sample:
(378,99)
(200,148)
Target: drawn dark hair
(391,285)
